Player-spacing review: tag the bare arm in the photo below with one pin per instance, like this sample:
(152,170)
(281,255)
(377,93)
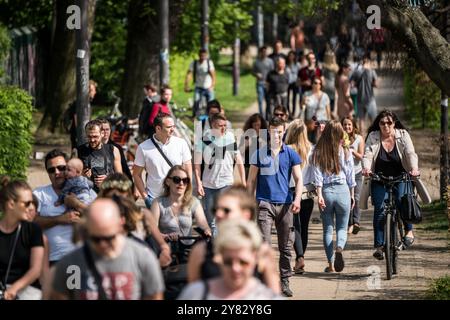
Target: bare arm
(201,220)
(49,222)
(197,170)
(251,181)
(213,77)
(137,175)
(298,178)
(152,229)
(188,167)
(358,154)
(33,273)
(187,80)
(241,168)
(117,161)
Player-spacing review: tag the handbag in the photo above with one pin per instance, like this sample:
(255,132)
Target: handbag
(410,209)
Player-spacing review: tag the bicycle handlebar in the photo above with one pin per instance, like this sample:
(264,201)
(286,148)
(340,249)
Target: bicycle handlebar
(389,179)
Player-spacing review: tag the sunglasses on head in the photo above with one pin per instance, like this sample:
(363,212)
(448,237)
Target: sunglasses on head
(98,239)
(389,123)
(53,169)
(177,180)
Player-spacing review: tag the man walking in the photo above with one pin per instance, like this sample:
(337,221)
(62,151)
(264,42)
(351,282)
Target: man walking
(157,155)
(109,266)
(270,173)
(262,66)
(277,84)
(204,77)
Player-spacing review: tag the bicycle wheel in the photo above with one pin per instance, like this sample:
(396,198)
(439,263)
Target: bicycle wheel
(395,241)
(388,248)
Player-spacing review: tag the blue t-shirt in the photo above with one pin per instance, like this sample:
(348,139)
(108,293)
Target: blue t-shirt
(274,174)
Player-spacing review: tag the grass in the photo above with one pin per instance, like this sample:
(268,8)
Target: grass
(435,217)
(439,289)
(224,84)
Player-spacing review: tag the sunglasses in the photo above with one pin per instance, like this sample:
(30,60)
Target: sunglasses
(53,169)
(230,262)
(389,123)
(278,114)
(224,209)
(315,82)
(177,180)
(98,239)
(27,203)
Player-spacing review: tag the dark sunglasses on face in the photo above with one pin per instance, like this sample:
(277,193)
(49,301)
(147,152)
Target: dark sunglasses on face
(27,203)
(177,180)
(98,239)
(278,114)
(382,123)
(53,169)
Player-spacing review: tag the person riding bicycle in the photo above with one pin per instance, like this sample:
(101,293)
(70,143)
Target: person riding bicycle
(204,77)
(389,151)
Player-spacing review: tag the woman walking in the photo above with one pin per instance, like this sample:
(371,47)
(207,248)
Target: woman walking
(344,102)
(335,181)
(297,139)
(357,150)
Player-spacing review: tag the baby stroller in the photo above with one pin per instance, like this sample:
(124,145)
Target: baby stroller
(175,275)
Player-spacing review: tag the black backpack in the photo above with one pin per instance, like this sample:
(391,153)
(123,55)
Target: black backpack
(144,115)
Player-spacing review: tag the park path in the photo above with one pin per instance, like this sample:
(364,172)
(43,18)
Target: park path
(363,276)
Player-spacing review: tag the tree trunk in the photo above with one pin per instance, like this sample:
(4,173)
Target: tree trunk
(142,52)
(61,88)
(421,40)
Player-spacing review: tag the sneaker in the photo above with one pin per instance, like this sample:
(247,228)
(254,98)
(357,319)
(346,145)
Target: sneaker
(285,288)
(378,254)
(356,228)
(338,260)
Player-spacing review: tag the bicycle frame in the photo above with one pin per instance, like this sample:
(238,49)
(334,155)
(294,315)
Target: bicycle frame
(393,227)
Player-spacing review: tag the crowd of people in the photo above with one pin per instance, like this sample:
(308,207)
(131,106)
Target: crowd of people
(205,229)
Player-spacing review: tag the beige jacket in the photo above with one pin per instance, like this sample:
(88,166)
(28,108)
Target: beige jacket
(408,157)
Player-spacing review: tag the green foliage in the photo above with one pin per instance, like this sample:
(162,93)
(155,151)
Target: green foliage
(439,289)
(5,44)
(108,45)
(19,13)
(179,64)
(15,131)
(304,8)
(422,98)
(227,20)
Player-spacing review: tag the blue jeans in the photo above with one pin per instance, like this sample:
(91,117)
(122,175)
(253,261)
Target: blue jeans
(337,201)
(148,201)
(262,96)
(379,194)
(199,93)
(208,203)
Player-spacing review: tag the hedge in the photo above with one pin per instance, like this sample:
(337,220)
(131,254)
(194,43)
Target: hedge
(15,131)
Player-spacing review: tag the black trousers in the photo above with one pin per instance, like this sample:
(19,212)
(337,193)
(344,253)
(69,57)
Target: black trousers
(301,225)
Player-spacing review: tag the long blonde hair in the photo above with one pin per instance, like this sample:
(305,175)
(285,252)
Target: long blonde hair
(326,152)
(187,197)
(297,138)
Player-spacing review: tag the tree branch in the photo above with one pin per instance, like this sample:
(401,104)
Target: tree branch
(422,40)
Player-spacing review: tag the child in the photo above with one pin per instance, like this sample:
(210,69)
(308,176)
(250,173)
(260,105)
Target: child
(75,182)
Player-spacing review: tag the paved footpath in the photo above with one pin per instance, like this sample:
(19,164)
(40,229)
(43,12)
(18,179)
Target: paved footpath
(363,276)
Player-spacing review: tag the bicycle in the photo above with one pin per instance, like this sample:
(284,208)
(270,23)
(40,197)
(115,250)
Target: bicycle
(183,130)
(393,227)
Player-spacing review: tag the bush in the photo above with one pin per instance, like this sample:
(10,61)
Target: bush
(422,98)
(5,43)
(439,289)
(15,131)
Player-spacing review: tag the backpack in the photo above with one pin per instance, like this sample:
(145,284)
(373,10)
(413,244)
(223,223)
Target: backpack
(195,69)
(144,115)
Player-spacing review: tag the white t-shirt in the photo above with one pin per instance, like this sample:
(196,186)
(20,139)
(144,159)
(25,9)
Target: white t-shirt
(219,166)
(148,157)
(316,106)
(202,77)
(60,236)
